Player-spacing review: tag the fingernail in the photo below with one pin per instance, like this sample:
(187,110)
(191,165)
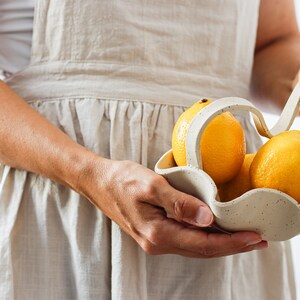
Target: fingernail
(204,216)
(260,246)
(253,241)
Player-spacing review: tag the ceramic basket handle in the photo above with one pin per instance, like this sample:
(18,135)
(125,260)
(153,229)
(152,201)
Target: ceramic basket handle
(234,104)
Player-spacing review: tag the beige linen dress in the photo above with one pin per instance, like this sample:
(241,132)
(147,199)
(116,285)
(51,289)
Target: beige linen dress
(115,75)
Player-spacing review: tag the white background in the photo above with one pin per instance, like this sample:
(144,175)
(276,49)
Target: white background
(271,119)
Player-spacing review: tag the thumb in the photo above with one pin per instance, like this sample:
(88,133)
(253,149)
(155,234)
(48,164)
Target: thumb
(184,207)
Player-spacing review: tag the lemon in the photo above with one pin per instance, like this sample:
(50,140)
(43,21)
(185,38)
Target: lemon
(240,184)
(277,164)
(222,144)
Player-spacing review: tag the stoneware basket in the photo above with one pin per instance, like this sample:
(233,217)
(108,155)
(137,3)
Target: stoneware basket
(273,214)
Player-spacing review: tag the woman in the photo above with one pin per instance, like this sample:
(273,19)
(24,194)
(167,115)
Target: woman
(112,78)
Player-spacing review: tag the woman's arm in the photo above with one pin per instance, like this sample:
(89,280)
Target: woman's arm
(277,56)
(131,195)
(32,143)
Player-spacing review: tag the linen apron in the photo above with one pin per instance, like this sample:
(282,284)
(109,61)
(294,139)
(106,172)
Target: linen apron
(115,76)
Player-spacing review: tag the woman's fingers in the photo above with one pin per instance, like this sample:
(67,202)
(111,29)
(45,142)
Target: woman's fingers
(260,246)
(166,235)
(182,207)
(296,80)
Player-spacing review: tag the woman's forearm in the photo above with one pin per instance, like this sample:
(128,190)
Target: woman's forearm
(275,68)
(30,142)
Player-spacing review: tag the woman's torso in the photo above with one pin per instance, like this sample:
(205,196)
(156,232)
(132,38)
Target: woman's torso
(169,52)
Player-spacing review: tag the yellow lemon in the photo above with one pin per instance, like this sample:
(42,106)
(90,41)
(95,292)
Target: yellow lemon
(240,184)
(277,164)
(222,144)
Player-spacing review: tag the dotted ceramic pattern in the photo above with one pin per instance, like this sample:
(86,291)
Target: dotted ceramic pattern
(273,214)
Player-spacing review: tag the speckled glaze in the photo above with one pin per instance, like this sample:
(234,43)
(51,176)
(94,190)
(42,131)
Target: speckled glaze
(273,214)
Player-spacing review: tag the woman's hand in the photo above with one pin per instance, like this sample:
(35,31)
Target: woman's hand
(137,199)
